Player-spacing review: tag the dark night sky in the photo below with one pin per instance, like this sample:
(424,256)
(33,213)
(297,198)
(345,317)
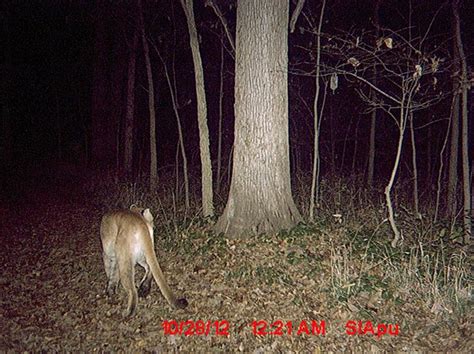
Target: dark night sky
(52,66)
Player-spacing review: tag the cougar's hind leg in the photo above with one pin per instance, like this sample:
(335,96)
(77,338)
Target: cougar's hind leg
(111,269)
(145,284)
(127,278)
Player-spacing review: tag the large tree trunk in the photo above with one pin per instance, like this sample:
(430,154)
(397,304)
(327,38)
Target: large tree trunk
(206,168)
(260,197)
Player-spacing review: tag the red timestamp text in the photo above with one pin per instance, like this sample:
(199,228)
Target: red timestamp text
(196,328)
(280,328)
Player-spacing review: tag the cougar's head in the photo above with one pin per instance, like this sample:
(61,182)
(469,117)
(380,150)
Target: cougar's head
(146,215)
(136,209)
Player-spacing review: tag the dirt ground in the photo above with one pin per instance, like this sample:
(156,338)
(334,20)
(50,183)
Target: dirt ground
(52,285)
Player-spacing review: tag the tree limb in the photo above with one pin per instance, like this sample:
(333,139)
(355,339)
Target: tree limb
(223,21)
(296,13)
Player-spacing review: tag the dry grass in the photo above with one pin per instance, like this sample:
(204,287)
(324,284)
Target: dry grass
(424,283)
(339,268)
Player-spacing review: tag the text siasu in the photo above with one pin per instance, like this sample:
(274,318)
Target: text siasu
(367,328)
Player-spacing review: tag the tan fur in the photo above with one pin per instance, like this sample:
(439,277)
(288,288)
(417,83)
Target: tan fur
(127,239)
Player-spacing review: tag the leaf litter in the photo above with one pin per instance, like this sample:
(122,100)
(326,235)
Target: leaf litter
(53,296)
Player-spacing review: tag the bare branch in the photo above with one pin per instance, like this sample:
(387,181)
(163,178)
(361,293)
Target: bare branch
(295,15)
(431,24)
(223,21)
(360,78)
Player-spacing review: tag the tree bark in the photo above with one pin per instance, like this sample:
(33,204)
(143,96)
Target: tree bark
(206,168)
(219,128)
(260,199)
(314,198)
(389,186)
(356,149)
(451,202)
(414,167)
(464,128)
(373,116)
(151,103)
(408,89)
(371,157)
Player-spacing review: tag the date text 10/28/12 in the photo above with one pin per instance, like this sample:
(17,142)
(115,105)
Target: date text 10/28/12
(277,328)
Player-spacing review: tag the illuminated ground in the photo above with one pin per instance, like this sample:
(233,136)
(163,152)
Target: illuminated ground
(53,282)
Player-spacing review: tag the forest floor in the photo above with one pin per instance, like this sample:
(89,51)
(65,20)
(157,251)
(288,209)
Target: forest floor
(291,292)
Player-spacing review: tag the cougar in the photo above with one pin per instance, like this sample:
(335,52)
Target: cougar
(127,239)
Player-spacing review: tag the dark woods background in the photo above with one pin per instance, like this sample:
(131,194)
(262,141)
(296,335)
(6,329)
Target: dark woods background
(64,79)
(63,101)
